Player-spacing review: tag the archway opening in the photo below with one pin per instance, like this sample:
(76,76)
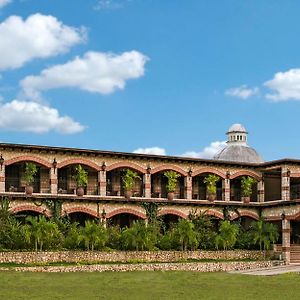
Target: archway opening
(80,217)
(236,192)
(168,221)
(22,215)
(122,220)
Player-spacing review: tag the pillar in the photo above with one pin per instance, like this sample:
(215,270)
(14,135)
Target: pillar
(226,189)
(188,181)
(102,182)
(2,179)
(286,237)
(147,185)
(285,183)
(261,191)
(53,180)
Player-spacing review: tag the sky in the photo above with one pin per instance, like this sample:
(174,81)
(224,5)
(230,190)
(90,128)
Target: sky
(151,76)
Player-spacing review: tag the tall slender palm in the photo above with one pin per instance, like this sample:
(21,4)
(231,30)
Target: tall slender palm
(227,235)
(187,235)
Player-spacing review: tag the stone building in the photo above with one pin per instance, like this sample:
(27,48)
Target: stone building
(275,195)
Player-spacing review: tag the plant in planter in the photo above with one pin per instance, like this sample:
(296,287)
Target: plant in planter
(246,183)
(29,177)
(129,177)
(211,186)
(81,178)
(172,177)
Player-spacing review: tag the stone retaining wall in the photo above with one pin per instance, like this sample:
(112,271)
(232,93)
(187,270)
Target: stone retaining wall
(125,256)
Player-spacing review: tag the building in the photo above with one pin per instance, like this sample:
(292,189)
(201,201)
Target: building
(275,196)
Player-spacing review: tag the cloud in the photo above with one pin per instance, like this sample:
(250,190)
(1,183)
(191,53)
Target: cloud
(243,92)
(95,72)
(110,4)
(4,3)
(38,36)
(284,85)
(208,152)
(35,117)
(151,150)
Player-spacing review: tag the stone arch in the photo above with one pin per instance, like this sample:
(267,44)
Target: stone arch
(245,213)
(80,209)
(246,173)
(79,161)
(31,207)
(209,170)
(215,213)
(296,216)
(170,211)
(32,158)
(126,164)
(126,211)
(169,167)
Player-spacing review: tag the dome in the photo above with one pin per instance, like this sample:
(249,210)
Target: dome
(237,149)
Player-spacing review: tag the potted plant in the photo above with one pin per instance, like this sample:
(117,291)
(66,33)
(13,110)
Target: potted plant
(246,184)
(172,183)
(29,177)
(81,178)
(211,186)
(129,177)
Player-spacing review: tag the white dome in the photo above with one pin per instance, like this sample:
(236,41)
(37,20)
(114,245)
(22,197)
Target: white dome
(237,128)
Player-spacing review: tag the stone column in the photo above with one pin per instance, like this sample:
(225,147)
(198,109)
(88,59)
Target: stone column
(286,238)
(226,189)
(147,185)
(102,183)
(188,183)
(285,183)
(2,179)
(261,191)
(53,180)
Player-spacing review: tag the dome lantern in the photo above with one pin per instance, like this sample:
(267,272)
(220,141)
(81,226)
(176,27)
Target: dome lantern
(237,134)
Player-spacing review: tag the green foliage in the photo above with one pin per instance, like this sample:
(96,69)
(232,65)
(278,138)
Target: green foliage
(151,209)
(128,179)
(114,237)
(73,236)
(81,176)
(172,178)
(30,173)
(211,183)
(187,235)
(246,183)
(227,235)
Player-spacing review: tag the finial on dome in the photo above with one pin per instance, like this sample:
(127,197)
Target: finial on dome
(237,134)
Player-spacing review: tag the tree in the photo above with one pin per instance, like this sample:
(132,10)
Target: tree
(227,235)
(187,235)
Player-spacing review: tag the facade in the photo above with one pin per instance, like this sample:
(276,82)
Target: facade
(276,193)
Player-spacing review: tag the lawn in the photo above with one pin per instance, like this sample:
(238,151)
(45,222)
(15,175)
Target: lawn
(147,285)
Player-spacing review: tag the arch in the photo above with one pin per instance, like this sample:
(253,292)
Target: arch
(80,209)
(126,211)
(170,211)
(245,213)
(126,164)
(215,213)
(169,167)
(294,217)
(31,207)
(32,158)
(246,173)
(209,170)
(79,161)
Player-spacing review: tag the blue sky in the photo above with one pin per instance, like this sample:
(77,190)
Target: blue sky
(137,74)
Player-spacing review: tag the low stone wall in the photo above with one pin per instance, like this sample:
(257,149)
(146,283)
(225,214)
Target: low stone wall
(125,256)
(194,267)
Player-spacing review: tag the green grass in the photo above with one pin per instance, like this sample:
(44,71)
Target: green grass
(147,285)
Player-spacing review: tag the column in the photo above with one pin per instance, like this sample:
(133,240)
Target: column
(261,191)
(147,185)
(226,189)
(53,180)
(286,237)
(285,183)
(102,182)
(2,179)
(188,181)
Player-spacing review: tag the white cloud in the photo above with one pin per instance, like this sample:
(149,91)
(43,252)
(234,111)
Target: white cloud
(207,152)
(4,3)
(95,72)
(38,36)
(110,4)
(284,85)
(35,117)
(151,150)
(243,92)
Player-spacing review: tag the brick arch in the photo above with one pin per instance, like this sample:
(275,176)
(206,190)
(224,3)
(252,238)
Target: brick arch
(126,211)
(31,207)
(209,170)
(215,213)
(296,216)
(170,211)
(126,164)
(245,213)
(80,209)
(246,173)
(169,167)
(32,158)
(78,161)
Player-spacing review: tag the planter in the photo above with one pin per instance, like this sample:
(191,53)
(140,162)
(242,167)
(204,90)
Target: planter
(128,194)
(80,191)
(28,190)
(246,199)
(211,197)
(170,196)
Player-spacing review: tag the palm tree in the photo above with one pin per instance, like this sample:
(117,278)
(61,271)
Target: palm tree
(227,235)
(187,235)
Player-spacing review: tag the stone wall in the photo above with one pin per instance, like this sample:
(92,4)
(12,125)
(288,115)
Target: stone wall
(125,256)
